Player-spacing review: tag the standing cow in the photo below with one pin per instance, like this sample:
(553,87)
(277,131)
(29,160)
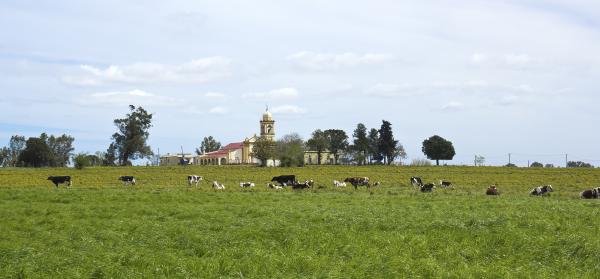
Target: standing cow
(284,180)
(194,179)
(427,187)
(358,181)
(60,180)
(416,182)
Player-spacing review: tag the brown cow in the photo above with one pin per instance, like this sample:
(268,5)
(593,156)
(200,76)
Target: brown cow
(492,191)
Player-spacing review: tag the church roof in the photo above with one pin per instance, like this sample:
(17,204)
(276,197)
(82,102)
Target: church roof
(224,150)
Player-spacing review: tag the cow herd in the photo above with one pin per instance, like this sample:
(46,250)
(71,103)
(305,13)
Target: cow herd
(282,181)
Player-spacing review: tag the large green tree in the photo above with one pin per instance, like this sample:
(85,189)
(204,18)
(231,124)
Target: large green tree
(318,142)
(337,142)
(437,148)
(360,143)
(290,150)
(15,147)
(387,143)
(61,147)
(36,153)
(209,144)
(374,154)
(263,150)
(131,139)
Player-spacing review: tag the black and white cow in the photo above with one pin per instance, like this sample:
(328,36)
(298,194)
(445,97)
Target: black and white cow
(358,181)
(284,180)
(541,190)
(60,180)
(305,185)
(416,182)
(377,184)
(246,184)
(127,179)
(194,179)
(594,193)
(339,184)
(218,186)
(273,186)
(492,191)
(427,187)
(446,184)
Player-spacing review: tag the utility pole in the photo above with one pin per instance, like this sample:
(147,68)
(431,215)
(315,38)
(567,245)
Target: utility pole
(509,158)
(566,160)
(475,161)
(527,163)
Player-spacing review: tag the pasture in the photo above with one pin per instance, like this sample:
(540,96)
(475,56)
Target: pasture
(161,228)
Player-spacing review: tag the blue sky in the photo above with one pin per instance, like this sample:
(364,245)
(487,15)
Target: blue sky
(492,76)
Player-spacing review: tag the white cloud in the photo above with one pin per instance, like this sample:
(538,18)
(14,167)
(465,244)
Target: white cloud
(281,93)
(452,106)
(330,61)
(478,58)
(390,90)
(214,95)
(517,59)
(218,110)
(288,109)
(133,97)
(195,71)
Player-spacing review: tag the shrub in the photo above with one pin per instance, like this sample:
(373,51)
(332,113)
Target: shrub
(81,161)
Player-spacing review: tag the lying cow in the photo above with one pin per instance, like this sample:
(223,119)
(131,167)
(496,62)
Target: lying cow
(594,193)
(416,181)
(377,184)
(246,184)
(446,184)
(60,180)
(358,181)
(427,187)
(304,185)
(273,186)
(127,179)
(194,179)
(284,180)
(218,186)
(339,184)
(541,190)
(492,191)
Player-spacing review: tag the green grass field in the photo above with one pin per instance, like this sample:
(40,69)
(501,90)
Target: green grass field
(161,228)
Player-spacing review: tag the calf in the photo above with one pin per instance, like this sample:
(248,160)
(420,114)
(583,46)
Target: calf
(194,179)
(246,184)
(60,180)
(492,191)
(446,184)
(594,193)
(284,179)
(541,190)
(127,179)
(427,187)
(273,186)
(377,184)
(358,181)
(304,185)
(218,186)
(339,184)
(416,181)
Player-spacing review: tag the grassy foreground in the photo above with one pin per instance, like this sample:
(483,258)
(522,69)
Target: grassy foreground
(160,228)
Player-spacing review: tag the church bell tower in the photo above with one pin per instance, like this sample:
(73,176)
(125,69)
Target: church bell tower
(267,125)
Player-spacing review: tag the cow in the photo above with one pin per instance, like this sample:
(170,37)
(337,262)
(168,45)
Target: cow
(492,191)
(310,182)
(339,184)
(377,184)
(594,193)
(60,180)
(358,181)
(218,186)
(304,185)
(284,180)
(127,179)
(194,179)
(273,186)
(246,184)
(427,187)
(416,182)
(541,190)
(446,184)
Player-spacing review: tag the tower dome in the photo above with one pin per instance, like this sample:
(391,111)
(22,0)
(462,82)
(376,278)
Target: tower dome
(267,116)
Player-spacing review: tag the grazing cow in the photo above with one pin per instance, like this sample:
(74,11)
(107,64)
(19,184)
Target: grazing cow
(304,185)
(194,179)
(416,181)
(541,190)
(446,184)
(358,181)
(246,184)
(127,179)
(594,193)
(284,180)
(273,186)
(492,191)
(218,186)
(339,184)
(427,187)
(60,180)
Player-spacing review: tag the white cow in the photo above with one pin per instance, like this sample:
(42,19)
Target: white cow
(218,186)
(339,184)
(246,184)
(273,186)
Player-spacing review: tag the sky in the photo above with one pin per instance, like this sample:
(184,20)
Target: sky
(493,77)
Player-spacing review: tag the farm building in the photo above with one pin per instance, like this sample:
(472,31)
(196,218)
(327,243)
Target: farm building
(175,159)
(312,158)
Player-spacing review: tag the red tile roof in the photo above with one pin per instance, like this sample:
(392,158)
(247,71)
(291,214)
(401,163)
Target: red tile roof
(225,149)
